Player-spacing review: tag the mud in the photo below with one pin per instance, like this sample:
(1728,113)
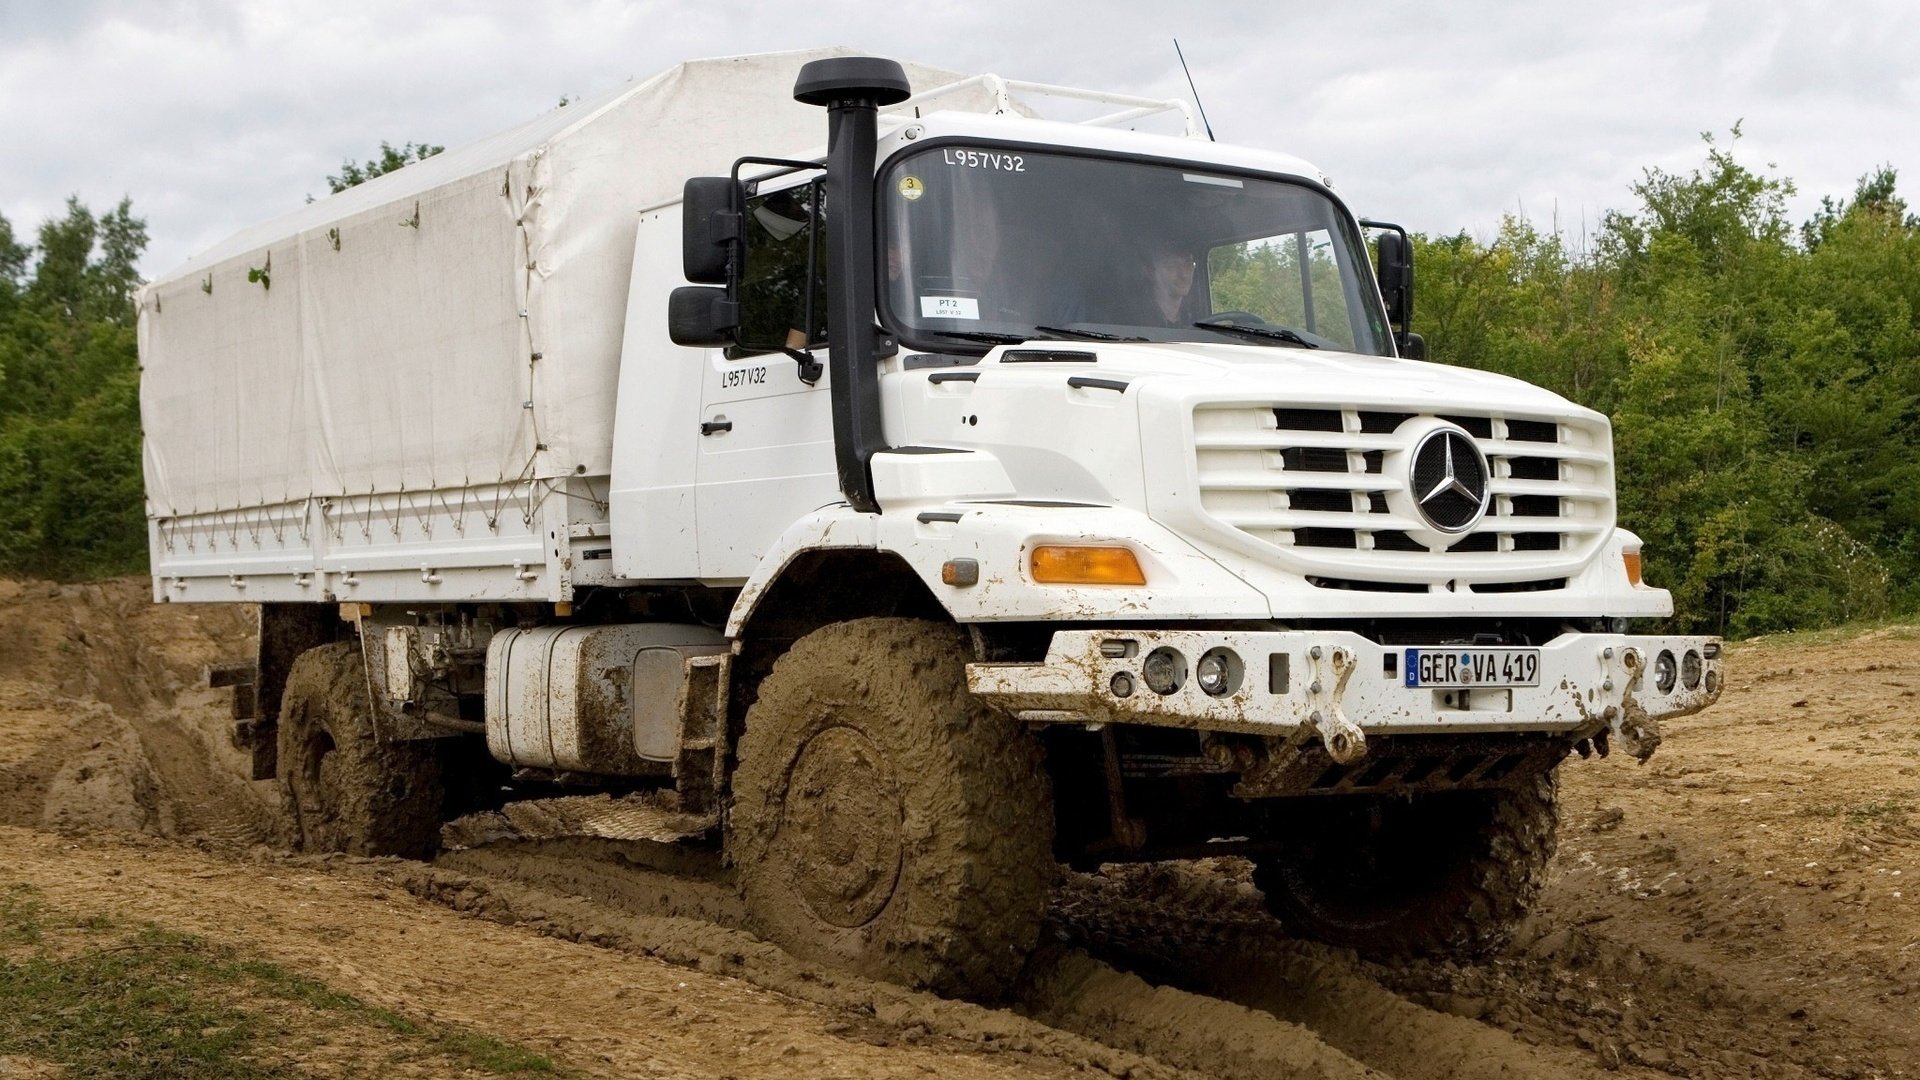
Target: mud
(1742,905)
(1124,1023)
(105,723)
(886,821)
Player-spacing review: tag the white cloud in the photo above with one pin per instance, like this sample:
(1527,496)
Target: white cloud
(215,115)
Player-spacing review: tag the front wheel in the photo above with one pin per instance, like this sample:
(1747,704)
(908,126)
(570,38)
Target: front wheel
(885,821)
(1448,873)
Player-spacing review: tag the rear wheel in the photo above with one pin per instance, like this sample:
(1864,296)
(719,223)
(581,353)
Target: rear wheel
(1449,873)
(885,821)
(345,789)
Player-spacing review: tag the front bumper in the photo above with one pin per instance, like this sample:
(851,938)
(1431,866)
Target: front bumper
(1342,687)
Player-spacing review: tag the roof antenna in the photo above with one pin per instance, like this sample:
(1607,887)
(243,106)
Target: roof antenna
(1196,90)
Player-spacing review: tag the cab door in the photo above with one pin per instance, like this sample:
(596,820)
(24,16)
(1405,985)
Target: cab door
(765,455)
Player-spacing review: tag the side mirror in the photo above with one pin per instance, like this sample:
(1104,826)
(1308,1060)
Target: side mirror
(702,316)
(1394,251)
(710,228)
(1396,276)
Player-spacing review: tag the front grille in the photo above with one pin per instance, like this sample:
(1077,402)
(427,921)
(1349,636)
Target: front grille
(1330,487)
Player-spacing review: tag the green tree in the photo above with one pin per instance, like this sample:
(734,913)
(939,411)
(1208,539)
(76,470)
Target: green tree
(13,269)
(1763,380)
(70,484)
(1873,196)
(391,158)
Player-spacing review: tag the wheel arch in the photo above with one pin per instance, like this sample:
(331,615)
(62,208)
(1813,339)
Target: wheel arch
(814,587)
(818,586)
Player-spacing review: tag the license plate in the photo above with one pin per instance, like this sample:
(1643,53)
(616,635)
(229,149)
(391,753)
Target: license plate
(1459,667)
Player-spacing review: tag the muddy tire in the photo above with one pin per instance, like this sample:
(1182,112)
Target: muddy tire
(885,821)
(344,789)
(1446,874)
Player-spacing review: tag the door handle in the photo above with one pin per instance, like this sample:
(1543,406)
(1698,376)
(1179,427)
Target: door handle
(714,427)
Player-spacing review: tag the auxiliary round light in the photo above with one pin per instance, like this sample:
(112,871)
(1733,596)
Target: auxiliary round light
(1121,684)
(1165,670)
(1665,671)
(1690,670)
(1218,672)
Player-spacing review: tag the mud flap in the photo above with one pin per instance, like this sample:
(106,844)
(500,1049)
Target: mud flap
(245,733)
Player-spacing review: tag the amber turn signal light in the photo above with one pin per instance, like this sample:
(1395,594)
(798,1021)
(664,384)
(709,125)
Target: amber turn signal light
(1632,559)
(1055,564)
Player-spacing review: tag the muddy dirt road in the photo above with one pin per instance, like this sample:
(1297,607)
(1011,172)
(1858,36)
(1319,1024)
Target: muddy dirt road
(1743,905)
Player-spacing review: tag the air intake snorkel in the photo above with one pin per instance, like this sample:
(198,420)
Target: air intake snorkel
(852,89)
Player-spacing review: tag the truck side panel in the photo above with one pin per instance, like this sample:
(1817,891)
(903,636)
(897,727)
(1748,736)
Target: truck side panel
(517,541)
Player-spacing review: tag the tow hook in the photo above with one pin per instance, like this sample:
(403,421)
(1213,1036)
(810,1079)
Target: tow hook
(1344,740)
(1637,733)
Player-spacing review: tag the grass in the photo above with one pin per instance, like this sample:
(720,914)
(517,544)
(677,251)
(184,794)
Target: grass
(107,1000)
(19,916)
(1897,628)
(1890,810)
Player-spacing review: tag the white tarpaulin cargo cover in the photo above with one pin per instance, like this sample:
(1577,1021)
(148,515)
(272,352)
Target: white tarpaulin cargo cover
(455,323)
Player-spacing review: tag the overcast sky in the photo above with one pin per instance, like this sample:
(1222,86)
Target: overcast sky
(214,115)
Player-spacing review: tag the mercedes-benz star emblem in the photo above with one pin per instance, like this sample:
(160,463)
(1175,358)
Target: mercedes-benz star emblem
(1449,480)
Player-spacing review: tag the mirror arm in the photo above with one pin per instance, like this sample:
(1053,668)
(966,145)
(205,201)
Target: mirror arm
(810,369)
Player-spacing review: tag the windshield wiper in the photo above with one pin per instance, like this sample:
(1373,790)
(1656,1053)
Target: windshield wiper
(1085,335)
(1264,333)
(988,337)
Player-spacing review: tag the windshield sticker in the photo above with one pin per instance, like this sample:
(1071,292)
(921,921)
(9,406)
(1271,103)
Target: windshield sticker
(1220,181)
(949,307)
(911,188)
(984,159)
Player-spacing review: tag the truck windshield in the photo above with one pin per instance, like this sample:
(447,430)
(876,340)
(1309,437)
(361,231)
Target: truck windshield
(985,245)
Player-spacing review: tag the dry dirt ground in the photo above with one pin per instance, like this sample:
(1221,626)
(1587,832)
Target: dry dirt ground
(1743,905)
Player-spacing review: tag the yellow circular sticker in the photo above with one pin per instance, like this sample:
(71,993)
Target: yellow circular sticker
(911,188)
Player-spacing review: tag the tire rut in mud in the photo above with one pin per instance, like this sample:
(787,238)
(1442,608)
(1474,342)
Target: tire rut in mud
(1576,985)
(1176,964)
(1209,935)
(1066,1005)
(1592,1002)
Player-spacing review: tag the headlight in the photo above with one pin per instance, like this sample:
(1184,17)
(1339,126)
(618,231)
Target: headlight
(1218,672)
(1664,671)
(1165,670)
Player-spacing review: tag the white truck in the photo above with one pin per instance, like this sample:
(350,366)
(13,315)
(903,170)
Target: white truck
(979,493)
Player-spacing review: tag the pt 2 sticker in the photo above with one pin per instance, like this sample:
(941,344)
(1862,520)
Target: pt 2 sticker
(911,188)
(949,307)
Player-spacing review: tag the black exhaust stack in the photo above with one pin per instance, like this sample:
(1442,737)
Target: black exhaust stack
(852,89)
